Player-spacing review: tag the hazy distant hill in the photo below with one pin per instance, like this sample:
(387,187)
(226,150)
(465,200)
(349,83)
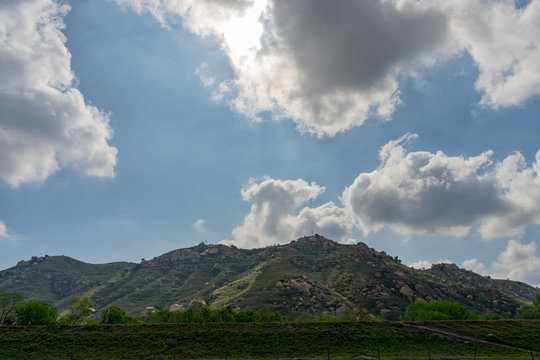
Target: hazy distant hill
(311,275)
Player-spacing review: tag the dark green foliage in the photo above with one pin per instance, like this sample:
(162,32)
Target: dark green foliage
(79,309)
(492,316)
(421,310)
(115,315)
(529,314)
(9,302)
(205,314)
(36,313)
(532,312)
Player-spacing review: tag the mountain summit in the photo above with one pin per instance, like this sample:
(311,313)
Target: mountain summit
(311,275)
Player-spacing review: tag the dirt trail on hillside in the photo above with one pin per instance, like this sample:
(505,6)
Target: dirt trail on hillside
(454,335)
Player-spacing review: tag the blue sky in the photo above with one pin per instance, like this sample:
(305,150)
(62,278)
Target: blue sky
(130,128)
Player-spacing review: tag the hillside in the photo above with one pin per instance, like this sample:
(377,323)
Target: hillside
(311,275)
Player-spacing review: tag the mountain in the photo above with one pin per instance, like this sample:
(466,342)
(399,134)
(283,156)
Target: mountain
(311,275)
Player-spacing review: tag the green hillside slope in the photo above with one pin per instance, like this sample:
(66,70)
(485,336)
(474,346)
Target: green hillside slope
(312,275)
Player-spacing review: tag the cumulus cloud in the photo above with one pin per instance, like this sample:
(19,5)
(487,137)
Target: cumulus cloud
(274,217)
(424,264)
(433,193)
(203,17)
(3,231)
(326,66)
(331,65)
(521,187)
(517,262)
(504,42)
(422,192)
(45,123)
(410,192)
(421,264)
(476,266)
(200,225)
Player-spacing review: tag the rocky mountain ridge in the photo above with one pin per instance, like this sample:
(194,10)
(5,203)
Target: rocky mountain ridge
(311,275)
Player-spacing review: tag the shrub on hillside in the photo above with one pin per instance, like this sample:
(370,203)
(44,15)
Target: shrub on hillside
(421,310)
(115,315)
(36,313)
(78,311)
(534,312)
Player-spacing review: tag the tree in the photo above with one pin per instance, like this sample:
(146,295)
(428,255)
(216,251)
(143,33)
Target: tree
(36,313)
(79,309)
(265,315)
(421,310)
(115,315)
(9,302)
(534,312)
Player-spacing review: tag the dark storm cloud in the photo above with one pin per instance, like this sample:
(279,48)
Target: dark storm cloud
(354,44)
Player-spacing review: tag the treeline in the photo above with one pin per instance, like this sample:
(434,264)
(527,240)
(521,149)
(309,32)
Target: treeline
(80,311)
(421,310)
(204,314)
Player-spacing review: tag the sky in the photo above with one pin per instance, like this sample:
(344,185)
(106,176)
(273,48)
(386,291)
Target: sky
(129,128)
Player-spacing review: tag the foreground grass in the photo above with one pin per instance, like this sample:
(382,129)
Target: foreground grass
(263,341)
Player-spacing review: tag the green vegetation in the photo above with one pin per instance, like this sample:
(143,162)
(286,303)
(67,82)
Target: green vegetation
(212,341)
(205,314)
(310,276)
(116,315)
(78,311)
(36,313)
(534,312)
(228,292)
(9,303)
(421,310)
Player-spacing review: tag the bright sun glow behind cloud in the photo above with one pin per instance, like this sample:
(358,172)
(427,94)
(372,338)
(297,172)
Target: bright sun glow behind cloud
(242,32)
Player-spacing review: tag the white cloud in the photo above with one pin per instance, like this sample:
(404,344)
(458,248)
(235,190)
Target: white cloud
(445,261)
(422,192)
(199,225)
(521,188)
(424,264)
(503,41)
(3,231)
(273,218)
(45,124)
(432,193)
(475,265)
(331,65)
(421,264)
(7,236)
(326,66)
(410,193)
(517,262)
(203,17)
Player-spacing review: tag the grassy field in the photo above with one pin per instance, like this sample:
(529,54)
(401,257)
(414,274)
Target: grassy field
(267,341)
